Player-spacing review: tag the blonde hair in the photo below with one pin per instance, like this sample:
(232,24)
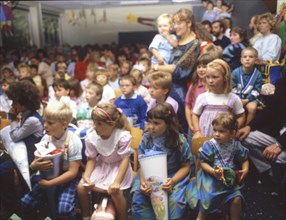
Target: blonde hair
(24,66)
(226,120)
(223,68)
(212,50)
(186,15)
(161,80)
(108,113)
(99,72)
(91,67)
(97,88)
(270,18)
(252,49)
(113,66)
(58,111)
(166,16)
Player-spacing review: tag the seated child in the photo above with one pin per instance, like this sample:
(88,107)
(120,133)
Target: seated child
(247,81)
(62,90)
(5,102)
(101,77)
(76,92)
(124,68)
(164,136)
(132,105)
(113,70)
(108,168)
(24,71)
(61,71)
(212,188)
(89,75)
(147,64)
(139,88)
(39,81)
(93,96)
(160,87)
(57,117)
(164,42)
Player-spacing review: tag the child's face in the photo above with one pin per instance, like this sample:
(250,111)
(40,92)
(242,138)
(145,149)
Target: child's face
(103,129)
(62,69)
(224,8)
(201,70)
(248,59)
(23,73)
(137,77)
(222,135)
(145,64)
(34,72)
(215,81)
(5,87)
(91,97)
(127,88)
(90,75)
(61,91)
(164,25)
(157,93)
(124,69)
(235,38)
(6,73)
(101,79)
(112,73)
(157,126)
(54,128)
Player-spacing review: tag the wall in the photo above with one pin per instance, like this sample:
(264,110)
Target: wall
(107,32)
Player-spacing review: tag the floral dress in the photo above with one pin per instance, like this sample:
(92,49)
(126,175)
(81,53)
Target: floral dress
(206,193)
(141,204)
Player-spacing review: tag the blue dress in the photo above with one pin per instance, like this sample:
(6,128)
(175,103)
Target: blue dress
(206,193)
(141,204)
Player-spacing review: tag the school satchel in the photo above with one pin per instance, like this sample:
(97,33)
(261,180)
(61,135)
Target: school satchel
(271,71)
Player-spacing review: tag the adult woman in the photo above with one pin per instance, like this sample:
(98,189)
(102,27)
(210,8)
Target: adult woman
(182,59)
(269,44)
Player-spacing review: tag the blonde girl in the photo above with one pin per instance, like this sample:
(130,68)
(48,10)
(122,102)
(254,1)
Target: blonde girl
(218,98)
(108,168)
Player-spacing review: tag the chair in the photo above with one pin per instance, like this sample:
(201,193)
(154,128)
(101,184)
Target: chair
(196,145)
(3,114)
(117,92)
(4,122)
(135,142)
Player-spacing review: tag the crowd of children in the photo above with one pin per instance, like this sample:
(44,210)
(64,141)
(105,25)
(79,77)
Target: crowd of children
(174,90)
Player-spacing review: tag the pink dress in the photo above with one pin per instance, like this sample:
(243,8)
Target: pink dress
(108,155)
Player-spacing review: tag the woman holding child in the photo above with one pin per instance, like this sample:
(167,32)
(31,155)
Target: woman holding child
(182,59)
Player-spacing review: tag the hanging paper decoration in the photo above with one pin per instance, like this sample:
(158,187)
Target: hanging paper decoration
(93,14)
(6,17)
(141,20)
(73,18)
(103,16)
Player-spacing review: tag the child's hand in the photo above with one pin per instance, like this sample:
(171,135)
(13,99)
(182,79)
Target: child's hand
(165,33)
(168,185)
(45,183)
(242,175)
(86,181)
(160,60)
(40,164)
(197,134)
(113,188)
(147,190)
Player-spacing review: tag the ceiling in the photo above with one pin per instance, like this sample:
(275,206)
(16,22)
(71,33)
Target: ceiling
(72,4)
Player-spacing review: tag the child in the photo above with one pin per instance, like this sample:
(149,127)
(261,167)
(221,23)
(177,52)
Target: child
(147,64)
(224,13)
(113,70)
(101,77)
(24,71)
(139,88)
(211,188)
(210,14)
(231,54)
(125,68)
(61,70)
(76,93)
(217,99)
(108,168)
(247,81)
(5,102)
(132,105)
(163,135)
(57,117)
(164,42)
(93,95)
(196,88)
(89,75)
(62,90)
(26,101)
(160,87)
(39,81)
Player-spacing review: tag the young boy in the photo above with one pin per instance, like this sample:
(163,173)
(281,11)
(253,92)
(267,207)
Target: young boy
(132,105)
(164,42)
(160,87)
(62,90)
(62,189)
(247,81)
(113,75)
(147,65)
(101,77)
(93,95)
(24,71)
